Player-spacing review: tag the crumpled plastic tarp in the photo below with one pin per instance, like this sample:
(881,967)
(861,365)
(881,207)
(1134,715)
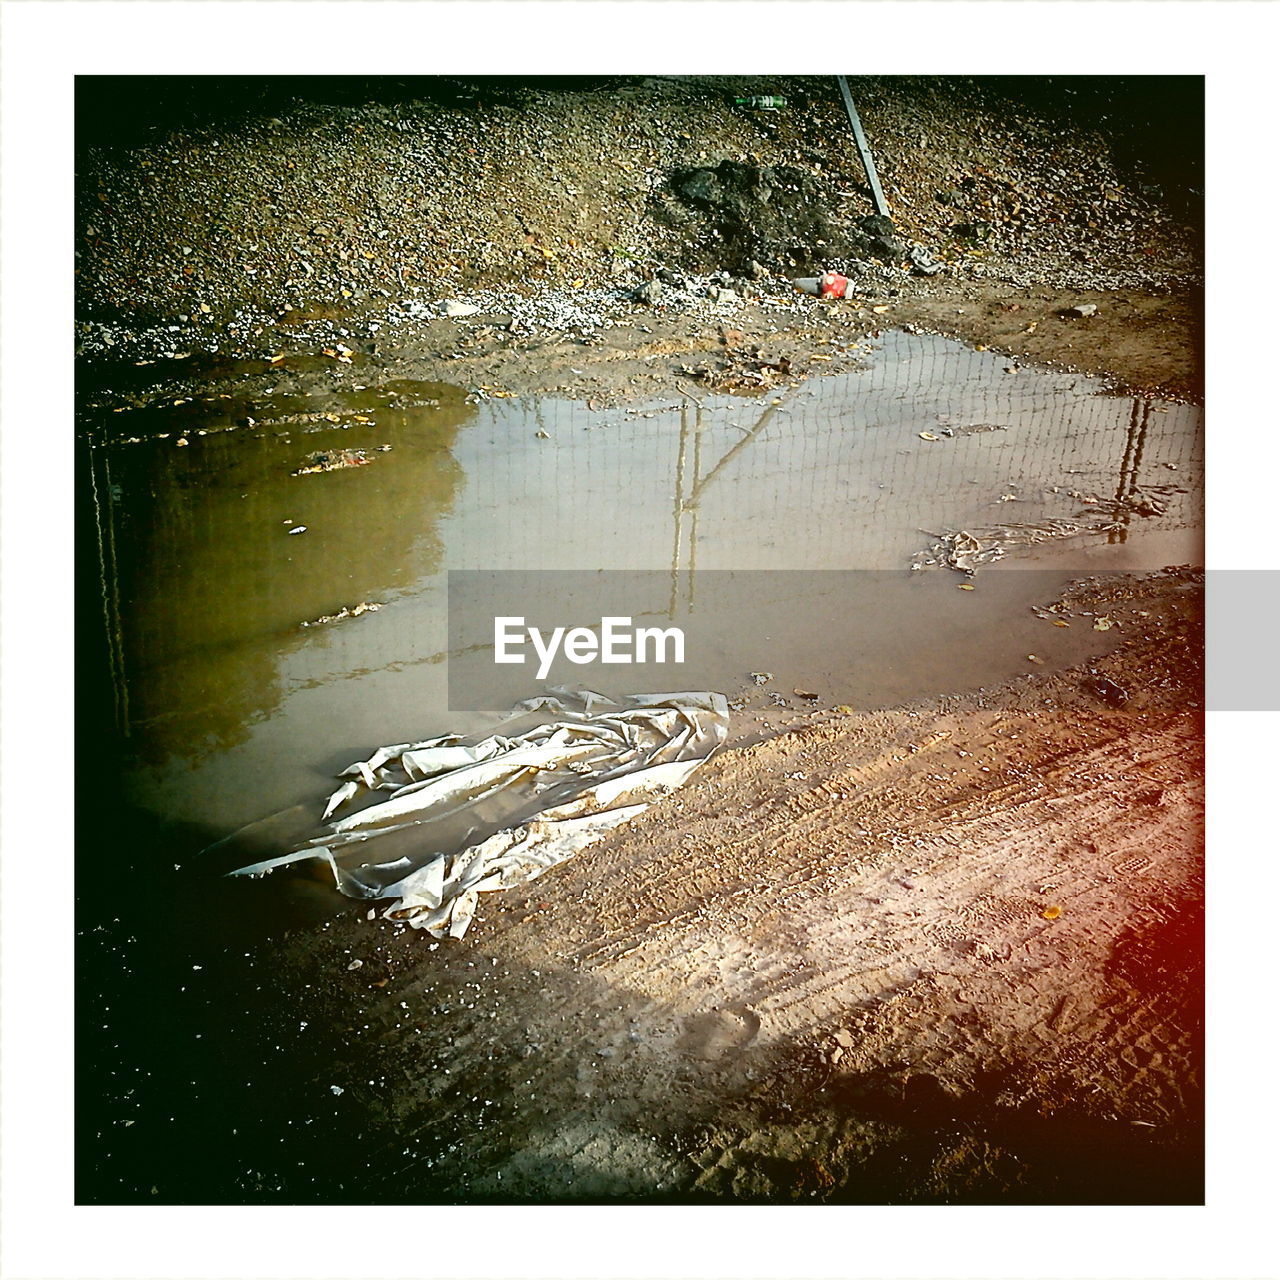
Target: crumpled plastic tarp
(511,805)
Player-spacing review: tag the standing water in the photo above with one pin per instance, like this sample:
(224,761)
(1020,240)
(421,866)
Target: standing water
(784,526)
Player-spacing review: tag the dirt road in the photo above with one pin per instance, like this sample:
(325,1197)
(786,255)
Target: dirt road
(978,917)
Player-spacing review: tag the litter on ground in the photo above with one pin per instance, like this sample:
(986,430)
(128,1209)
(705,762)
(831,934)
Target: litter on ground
(517,804)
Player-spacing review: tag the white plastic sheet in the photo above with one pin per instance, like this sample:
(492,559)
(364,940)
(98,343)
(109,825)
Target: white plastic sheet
(464,818)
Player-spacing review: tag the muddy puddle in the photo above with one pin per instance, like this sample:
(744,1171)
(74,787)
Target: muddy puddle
(781,530)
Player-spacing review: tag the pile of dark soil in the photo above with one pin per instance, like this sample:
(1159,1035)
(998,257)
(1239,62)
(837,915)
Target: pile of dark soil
(745,217)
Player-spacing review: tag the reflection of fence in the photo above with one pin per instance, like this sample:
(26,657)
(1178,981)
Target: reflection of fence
(836,476)
(200,591)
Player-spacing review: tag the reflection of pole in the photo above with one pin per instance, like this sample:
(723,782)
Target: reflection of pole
(689,490)
(1127,486)
(751,435)
(105,530)
(678,512)
(693,519)
(864,151)
(686,510)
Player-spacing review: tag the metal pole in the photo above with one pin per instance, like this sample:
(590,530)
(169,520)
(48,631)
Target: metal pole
(864,151)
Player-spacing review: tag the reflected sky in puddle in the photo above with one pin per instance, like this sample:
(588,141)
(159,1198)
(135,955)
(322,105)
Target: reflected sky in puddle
(234,709)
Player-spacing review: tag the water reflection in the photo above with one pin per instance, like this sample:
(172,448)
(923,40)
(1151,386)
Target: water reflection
(835,476)
(203,586)
(236,710)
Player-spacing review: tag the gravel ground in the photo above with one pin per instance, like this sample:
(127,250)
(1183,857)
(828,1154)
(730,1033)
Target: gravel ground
(287,223)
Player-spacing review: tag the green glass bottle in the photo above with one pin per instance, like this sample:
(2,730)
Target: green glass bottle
(763,101)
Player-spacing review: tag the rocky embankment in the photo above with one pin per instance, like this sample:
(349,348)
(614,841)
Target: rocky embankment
(244,226)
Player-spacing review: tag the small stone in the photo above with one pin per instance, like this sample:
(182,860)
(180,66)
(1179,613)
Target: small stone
(652,292)
(1108,691)
(1081,310)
